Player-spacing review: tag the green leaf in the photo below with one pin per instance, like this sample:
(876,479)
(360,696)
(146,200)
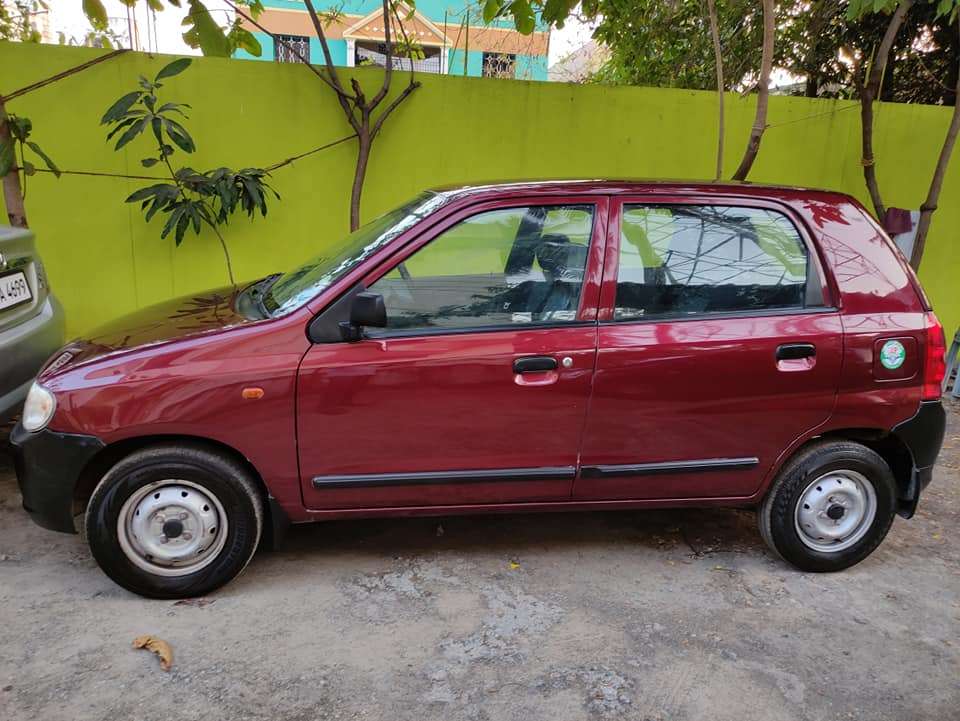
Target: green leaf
(51,166)
(490,10)
(29,168)
(204,31)
(132,132)
(172,108)
(247,41)
(523,16)
(96,13)
(159,189)
(120,126)
(182,226)
(8,158)
(155,5)
(149,162)
(174,218)
(20,127)
(116,111)
(179,135)
(174,68)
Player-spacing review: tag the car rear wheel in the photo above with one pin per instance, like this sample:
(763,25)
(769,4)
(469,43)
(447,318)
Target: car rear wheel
(174,521)
(830,506)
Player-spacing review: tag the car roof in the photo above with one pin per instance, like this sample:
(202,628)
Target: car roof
(626,186)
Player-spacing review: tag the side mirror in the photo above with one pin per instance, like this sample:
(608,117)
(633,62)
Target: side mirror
(367,310)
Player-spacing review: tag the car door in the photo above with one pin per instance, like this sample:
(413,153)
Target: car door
(476,390)
(718,347)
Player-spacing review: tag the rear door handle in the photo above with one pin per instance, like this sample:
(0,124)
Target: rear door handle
(796,351)
(535,364)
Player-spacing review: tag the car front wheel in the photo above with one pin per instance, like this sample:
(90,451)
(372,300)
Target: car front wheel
(174,521)
(829,507)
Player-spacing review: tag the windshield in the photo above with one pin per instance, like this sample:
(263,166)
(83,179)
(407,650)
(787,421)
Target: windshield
(294,289)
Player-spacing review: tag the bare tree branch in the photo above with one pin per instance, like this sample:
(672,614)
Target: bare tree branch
(718,57)
(870,92)
(763,94)
(933,195)
(388,70)
(392,106)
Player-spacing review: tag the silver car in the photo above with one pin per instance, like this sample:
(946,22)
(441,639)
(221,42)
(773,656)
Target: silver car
(31,319)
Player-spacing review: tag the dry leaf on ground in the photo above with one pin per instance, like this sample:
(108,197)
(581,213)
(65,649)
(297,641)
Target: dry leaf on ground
(159,647)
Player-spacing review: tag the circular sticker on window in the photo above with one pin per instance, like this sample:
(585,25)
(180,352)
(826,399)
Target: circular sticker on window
(892,355)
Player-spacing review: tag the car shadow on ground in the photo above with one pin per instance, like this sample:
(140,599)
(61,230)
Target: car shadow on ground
(697,532)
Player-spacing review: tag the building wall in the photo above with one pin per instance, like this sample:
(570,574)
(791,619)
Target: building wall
(104,260)
(288,17)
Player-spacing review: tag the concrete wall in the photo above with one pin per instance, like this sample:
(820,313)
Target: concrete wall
(104,260)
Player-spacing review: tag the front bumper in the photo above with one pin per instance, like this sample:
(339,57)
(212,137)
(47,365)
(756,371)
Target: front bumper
(48,465)
(923,436)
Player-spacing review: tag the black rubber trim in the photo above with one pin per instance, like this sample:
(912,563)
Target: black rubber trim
(372,480)
(649,469)
(380,334)
(279,523)
(923,433)
(722,315)
(48,465)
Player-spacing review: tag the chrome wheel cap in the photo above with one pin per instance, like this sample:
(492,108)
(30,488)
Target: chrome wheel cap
(172,527)
(835,511)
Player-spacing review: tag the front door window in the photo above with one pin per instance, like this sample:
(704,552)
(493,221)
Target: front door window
(502,268)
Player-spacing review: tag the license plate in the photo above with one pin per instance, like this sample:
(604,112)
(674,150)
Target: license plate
(14,290)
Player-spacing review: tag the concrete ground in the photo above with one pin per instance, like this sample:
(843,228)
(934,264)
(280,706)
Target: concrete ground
(647,615)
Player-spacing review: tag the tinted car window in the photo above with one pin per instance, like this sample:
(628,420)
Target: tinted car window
(515,266)
(687,260)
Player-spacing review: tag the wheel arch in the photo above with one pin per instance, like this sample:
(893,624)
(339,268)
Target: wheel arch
(888,446)
(276,518)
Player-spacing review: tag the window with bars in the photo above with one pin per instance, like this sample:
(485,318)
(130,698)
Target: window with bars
(499,65)
(292,48)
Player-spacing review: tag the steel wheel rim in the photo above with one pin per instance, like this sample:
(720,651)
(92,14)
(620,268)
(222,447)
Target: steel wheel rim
(172,527)
(835,511)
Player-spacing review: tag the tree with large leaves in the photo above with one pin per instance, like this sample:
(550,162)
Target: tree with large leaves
(191,198)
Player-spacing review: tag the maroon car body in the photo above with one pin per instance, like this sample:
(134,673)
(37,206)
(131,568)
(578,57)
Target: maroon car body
(636,412)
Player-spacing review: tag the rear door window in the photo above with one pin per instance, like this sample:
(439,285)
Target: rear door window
(685,260)
(505,267)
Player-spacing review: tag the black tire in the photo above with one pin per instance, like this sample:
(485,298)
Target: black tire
(777,512)
(213,472)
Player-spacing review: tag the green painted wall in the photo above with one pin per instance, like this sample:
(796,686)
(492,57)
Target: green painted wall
(104,260)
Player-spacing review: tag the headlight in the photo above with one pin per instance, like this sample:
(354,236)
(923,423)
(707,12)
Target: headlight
(38,409)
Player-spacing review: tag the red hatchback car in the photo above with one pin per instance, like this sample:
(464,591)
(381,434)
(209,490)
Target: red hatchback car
(539,346)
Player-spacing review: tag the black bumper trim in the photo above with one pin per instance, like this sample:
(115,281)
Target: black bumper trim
(923,433)
(923,436)
(48,465)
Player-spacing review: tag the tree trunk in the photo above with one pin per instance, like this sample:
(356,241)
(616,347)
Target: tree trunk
(868,93)
(763,93)
(363,157)
(933,195)
(12,192)
(718,56)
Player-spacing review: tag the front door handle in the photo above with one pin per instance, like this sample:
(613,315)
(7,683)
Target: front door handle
(535,364)
(796,351)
